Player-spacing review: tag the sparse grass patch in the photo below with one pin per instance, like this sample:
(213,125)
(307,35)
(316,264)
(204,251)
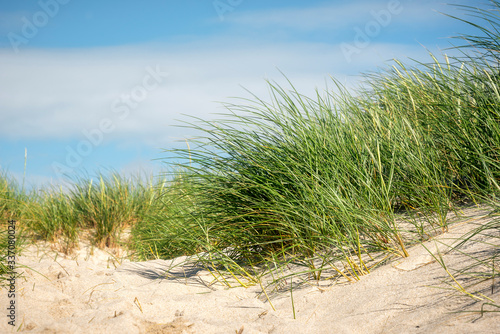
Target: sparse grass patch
(51,216)
(99,209)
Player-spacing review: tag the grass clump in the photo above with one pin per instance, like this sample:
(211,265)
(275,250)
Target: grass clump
(12,197)
(473,147)
(322,181)
(99,211)
(106,207)
(12,200)
(51,217)
(151,238)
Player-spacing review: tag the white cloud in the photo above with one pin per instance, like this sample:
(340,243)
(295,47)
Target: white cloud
(57,94)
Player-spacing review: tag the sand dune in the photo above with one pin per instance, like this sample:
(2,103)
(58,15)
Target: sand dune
(96,292)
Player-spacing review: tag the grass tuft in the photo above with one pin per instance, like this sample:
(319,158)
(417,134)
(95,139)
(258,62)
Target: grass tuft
(329,181)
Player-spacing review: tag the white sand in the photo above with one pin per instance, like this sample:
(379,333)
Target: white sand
(87,294)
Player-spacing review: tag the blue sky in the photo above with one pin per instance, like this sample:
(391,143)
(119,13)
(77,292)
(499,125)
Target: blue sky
(101,85)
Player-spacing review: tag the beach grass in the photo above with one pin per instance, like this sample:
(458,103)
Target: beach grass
(12,199)
(95,208)
(335,183)
(343,175)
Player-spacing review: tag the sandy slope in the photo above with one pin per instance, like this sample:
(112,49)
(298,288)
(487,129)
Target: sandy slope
(99,294)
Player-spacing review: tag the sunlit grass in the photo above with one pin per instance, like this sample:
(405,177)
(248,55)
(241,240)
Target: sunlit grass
(332,184)
(96,210)
(324,180)
(12,200)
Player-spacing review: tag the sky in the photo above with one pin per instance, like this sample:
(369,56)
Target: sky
(89,86)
